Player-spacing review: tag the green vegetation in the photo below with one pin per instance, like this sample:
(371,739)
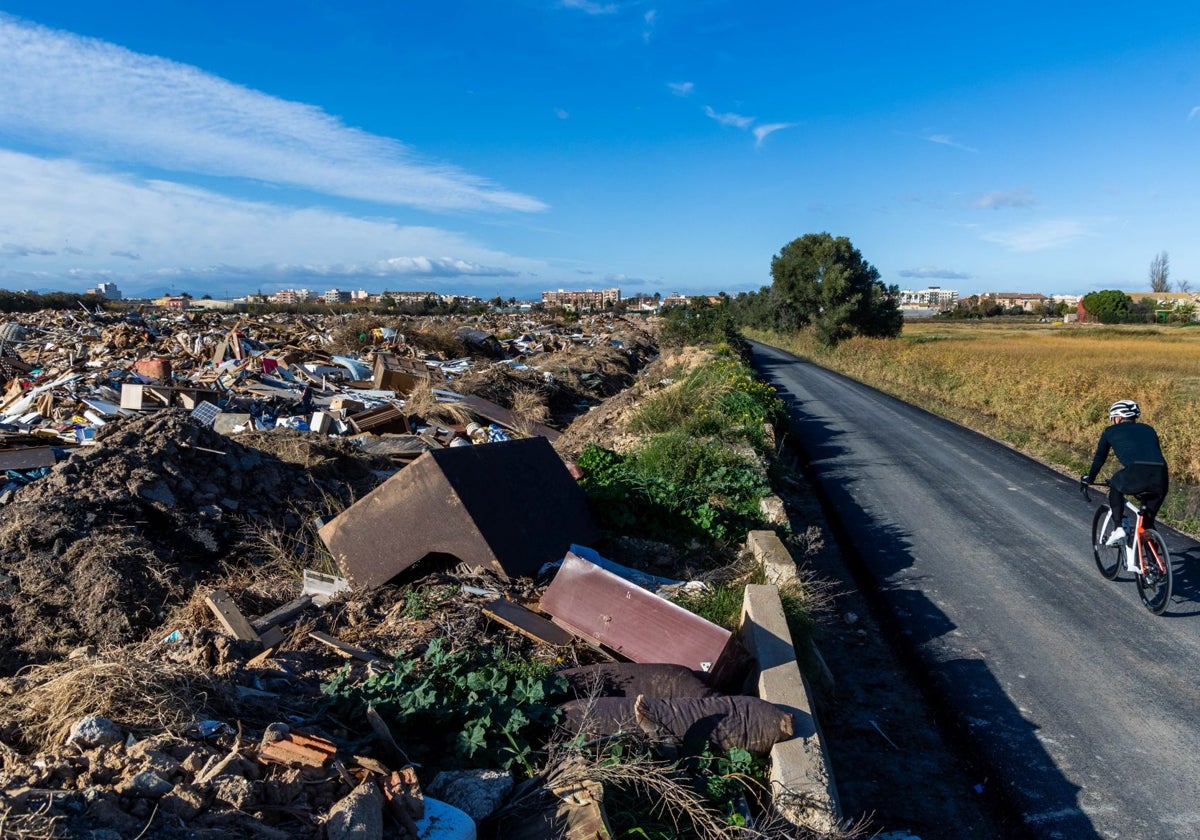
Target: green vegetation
(822,285)
(473,707)
(699,472)
(32,301)
(699,324)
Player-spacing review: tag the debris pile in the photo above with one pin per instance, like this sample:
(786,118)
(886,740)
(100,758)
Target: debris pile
(271,570)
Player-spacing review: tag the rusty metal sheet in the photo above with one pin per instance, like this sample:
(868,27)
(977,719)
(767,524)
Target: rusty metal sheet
(509,506)
(606,609)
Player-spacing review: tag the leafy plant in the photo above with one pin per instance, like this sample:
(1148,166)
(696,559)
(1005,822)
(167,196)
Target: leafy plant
(475,705)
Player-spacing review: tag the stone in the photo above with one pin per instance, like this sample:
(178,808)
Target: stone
(477,792)
(94,731)
(357,816)
(147,784)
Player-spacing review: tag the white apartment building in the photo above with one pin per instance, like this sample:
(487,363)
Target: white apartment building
(933,297)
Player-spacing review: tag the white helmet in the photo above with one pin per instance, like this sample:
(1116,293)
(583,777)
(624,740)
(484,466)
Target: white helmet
(1125,409)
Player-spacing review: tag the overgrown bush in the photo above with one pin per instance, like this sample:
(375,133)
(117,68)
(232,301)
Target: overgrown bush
(675,487)
(698,324)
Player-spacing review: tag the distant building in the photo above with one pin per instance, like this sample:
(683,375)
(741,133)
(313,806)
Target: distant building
(336,296)
(580,301)
(402,298)
(175,303)
(109,291)
(934,297)
(292,296)
(1029,301)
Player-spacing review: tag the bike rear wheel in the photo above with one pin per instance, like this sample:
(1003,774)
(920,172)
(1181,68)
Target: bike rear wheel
(1108,558)
(1154,585)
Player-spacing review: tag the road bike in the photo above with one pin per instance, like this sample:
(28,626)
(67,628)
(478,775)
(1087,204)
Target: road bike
(1145,546)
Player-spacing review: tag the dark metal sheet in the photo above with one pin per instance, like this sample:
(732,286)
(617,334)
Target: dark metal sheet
(26,459)
(606,609)
(509,506)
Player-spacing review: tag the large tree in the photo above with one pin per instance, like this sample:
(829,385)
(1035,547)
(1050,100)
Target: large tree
(824,283)
(1160,268)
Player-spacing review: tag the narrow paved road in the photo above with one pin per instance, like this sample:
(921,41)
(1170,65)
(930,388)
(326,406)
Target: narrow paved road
(1085,705)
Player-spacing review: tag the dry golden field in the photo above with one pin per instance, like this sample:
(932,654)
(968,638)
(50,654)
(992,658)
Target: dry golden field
(1044,388)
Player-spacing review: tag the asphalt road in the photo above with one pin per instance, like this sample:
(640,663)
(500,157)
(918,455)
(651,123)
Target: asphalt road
(1084,705)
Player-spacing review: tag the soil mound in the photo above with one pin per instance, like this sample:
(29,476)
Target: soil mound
(98,551)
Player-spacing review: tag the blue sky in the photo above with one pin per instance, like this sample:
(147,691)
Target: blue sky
(511,147)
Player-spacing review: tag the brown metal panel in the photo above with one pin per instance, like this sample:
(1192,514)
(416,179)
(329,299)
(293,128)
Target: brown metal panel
(501,415)
(508,506)
(599,606)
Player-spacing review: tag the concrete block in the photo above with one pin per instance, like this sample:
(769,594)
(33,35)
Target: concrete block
(774,557)
(802,782)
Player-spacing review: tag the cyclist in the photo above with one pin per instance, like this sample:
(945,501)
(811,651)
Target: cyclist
(1144,469)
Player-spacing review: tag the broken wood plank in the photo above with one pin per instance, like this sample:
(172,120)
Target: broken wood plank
(501,415)
(230,616)
(527,623)
(285,613)
(349,651)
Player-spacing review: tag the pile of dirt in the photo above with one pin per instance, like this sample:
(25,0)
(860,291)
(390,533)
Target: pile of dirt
(100,549)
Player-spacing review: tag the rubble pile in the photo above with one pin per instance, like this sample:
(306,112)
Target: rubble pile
(173,663)
(100,549)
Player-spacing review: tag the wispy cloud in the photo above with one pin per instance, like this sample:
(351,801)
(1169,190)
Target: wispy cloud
(929,272)
(562,113)
(947,140)
(736,120)
(86,96)
(1040,236)
(1194,113)
(590,7)
(62,218)
(649,19)
(681,88)
(1020,197)
(761,132)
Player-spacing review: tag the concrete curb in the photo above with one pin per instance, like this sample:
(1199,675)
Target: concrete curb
(802,780)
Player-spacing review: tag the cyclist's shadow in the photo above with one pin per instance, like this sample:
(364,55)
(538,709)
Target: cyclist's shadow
(1185,597)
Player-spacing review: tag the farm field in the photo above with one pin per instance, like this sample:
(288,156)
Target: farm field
(1043,388)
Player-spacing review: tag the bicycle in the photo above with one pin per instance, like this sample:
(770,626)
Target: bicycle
(1145,545)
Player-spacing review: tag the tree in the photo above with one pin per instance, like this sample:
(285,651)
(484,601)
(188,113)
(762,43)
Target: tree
(824,283)
(1108,306)
(1159,269)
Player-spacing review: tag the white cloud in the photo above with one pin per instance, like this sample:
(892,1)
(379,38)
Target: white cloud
(562,113)
(650,18)
(1040,236)
(65,219)
(1194,112)
(681,88)
(1020,197)
(86,96)
(929,272)
(590,7)
(736,120)
(947,140)
(761,132)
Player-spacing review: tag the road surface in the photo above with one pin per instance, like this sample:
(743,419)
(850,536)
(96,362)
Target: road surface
(1084,704)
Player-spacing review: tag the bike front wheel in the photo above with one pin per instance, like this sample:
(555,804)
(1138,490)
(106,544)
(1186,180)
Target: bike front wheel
(1108,557)
(1154,584)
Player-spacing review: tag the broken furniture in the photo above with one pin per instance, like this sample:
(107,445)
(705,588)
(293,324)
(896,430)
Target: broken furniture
(509,507)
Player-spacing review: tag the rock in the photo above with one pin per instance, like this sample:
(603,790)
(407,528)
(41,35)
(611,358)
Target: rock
(94,731)
(147,784)
(477,792)
(237,791)
(358,816)
(184,802)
